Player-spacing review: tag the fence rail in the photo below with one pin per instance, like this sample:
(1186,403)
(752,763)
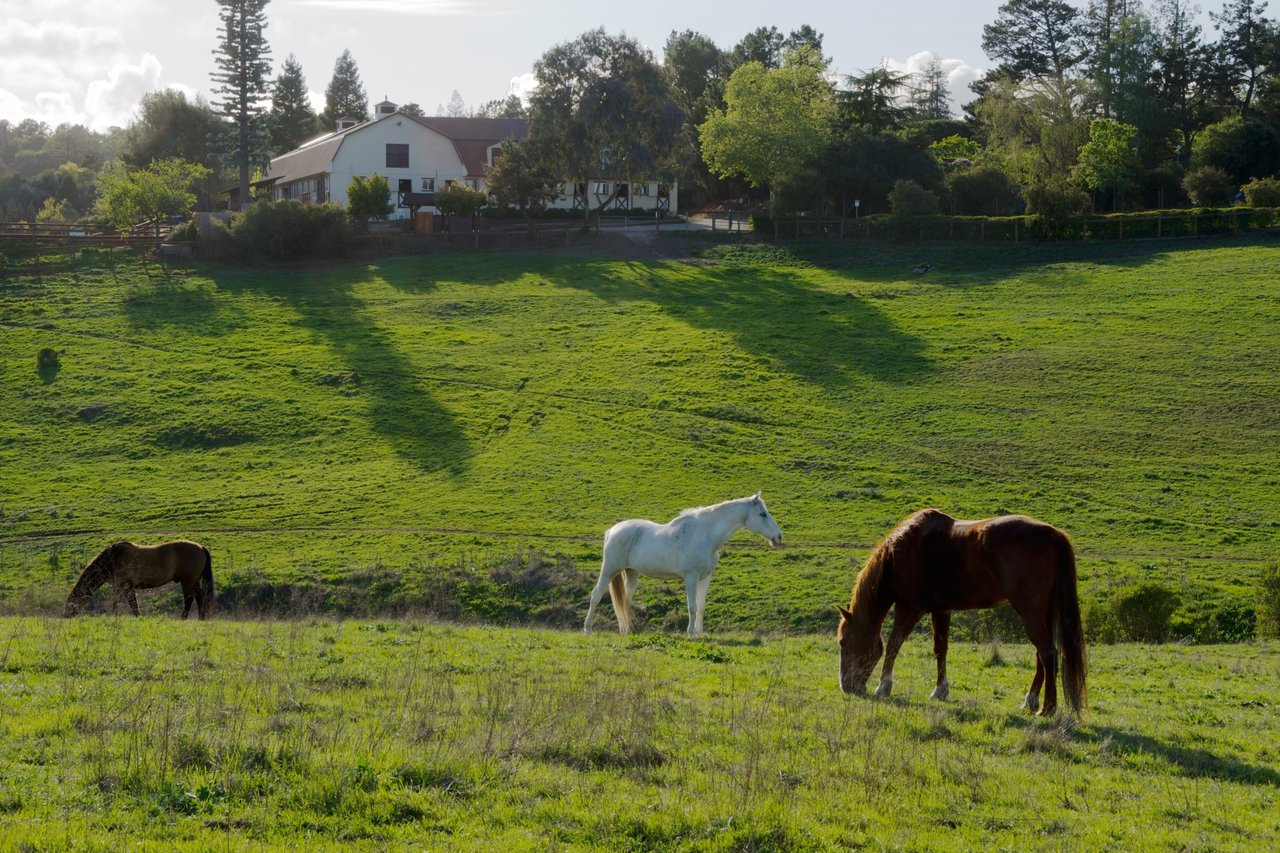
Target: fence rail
(85,233)
(1022,228)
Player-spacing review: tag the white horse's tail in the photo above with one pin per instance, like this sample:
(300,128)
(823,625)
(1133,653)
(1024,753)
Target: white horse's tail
(621,602)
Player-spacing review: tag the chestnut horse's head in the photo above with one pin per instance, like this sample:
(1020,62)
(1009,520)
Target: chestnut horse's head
(860,649)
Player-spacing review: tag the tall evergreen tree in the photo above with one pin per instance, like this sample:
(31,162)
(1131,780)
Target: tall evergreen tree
(292,119)
(1035,38)
(929,93)
(1246,48)
(345,96)
(243,64)
(1181,66)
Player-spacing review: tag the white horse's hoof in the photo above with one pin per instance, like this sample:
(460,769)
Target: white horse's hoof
(1031,703)
(884,689)
(942,692)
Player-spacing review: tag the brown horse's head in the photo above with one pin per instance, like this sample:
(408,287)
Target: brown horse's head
(94,575)
(860,649)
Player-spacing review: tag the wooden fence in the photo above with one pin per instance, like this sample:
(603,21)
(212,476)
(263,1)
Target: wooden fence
(1016,229)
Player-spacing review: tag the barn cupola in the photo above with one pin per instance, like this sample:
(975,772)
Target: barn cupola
(384,109)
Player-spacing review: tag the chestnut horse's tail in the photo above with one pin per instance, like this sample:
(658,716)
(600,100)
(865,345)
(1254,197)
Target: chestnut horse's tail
(1070,630)
(206,584)
(621,601)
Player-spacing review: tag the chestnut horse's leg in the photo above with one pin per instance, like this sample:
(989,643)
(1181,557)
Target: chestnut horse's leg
(1041,636)
(1032,702)
(903,622)
(133,599)
(187,598)
(941,627)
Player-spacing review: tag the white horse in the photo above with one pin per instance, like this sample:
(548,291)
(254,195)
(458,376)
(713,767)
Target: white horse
(686,548)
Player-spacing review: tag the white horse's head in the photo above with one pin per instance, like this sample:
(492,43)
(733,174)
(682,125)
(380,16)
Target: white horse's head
(759,520)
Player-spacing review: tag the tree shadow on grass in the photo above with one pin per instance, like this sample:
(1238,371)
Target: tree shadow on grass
(1191,761)
(961,264)
(400,407)
(1195,762)
(773,313)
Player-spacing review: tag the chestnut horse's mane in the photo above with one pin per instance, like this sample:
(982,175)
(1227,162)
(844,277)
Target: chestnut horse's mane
(900,546)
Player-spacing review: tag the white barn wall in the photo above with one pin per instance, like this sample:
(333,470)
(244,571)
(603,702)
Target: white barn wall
(365,153)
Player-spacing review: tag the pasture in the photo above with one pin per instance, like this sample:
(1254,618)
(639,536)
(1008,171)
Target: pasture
(450,436)
(454,433)
(404,735)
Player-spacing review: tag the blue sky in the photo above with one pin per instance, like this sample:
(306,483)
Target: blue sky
(89,61)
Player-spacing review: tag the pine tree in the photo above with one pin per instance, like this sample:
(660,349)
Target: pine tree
(345,96)
(292,119)
(243,65)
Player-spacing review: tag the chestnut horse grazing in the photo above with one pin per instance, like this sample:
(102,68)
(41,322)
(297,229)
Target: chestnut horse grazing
(932,563)
(127,567)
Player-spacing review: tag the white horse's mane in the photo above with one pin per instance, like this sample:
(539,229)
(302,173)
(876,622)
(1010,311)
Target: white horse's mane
(699,510)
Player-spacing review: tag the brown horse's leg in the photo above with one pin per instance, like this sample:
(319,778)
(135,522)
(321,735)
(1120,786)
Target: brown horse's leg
(1041,637)
(187,598)
(941,628)
(132,598)
(903,622)
(1032,702)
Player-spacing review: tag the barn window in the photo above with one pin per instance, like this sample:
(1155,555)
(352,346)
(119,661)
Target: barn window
(397,155)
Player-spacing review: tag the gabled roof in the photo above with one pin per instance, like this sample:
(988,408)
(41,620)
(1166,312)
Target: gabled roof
(312,158)
(471,138)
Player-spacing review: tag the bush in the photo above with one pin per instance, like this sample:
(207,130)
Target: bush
(47,359)
(1262,192)
(1268,605)
(1052,203)
(1140,613)
(1209,186)
(982,190)
(908,198)
(286,230)
(369,198)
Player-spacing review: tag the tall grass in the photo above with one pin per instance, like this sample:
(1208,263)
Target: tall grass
(394,734)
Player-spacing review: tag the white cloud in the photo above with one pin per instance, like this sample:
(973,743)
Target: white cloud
(959,75)
(523,85)
(111,101)
(402,7)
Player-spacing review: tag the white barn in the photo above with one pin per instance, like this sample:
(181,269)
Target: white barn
(418,155)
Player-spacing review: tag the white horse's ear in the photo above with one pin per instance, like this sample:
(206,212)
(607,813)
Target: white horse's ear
(756,496)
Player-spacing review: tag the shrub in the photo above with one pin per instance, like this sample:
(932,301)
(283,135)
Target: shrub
(47,360)
(369,198)
(982,190)
(1268,607)
(1209,186)
(1262,192)
(908,198)
(286,230)
(1140,613)
(1052,203)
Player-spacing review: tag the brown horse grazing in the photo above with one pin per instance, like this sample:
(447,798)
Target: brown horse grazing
(932,563)
(127,567)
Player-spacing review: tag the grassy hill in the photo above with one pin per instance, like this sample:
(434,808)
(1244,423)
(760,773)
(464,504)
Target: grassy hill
(400,735)
(454,432)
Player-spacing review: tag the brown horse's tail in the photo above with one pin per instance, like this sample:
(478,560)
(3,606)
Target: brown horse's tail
(621,602)
(1070,629)
(206,583)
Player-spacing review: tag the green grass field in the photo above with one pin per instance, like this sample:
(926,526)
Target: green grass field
(447,436)
(344,436)
(155,734)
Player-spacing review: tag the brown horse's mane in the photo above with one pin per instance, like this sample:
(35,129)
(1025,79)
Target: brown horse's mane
(901,547)
(99,570)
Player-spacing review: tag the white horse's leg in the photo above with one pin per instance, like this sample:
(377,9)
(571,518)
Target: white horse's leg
(702,602)
(606,575)
(691,597)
